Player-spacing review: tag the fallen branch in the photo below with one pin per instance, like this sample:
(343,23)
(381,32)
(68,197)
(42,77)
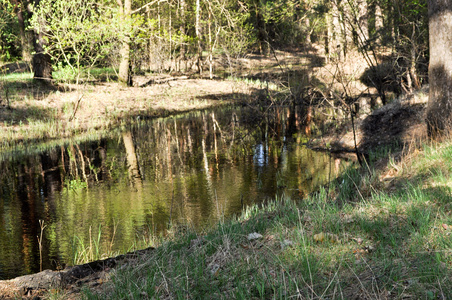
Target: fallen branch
(162,80)
(76,107)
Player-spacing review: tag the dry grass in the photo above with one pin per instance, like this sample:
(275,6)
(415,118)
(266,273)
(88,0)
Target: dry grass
(42,113)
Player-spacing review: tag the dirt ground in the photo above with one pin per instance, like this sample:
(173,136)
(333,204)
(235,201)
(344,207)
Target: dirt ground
(399,124)
(33,112)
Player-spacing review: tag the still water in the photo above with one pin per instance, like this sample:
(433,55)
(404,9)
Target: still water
(120,192)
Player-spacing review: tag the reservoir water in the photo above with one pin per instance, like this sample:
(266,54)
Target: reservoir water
(123,191)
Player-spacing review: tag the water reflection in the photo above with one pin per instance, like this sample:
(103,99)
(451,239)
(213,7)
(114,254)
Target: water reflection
(114,193)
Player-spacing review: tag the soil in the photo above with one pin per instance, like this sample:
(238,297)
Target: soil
(398,125)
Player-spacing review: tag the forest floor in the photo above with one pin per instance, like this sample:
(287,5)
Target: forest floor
(31,113)
(228,261)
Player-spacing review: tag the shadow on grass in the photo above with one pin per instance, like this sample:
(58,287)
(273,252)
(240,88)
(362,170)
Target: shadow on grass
(292,70)
(26,115)
(406,237)
(14,68)
(14,91)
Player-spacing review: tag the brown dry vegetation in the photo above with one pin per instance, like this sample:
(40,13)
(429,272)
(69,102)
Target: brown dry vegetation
(32,112)
(63,112)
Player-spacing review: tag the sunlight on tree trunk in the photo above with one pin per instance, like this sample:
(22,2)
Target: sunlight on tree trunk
(439,111)
(124,67)
(25,38)
(182,33)
(198,35)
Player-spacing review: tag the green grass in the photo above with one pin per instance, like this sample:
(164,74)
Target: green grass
(26,76)
(66,75)
(103,74)
(358,238)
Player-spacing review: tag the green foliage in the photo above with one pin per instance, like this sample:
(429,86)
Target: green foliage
(78,33)
(65,73)
(9,41)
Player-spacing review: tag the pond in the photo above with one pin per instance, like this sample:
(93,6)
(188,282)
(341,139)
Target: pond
(118,193)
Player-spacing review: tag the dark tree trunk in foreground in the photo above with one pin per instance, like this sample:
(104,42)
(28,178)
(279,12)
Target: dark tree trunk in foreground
(41,62)
(42,67)
(26,40)
(439,111)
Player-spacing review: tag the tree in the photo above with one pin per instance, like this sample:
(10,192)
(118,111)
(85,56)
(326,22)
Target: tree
(9,47)
(439,111)
(26,39)
(41,61)
(125,10)
(77,33)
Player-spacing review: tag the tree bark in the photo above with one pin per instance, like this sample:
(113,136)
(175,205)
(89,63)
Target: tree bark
(210,44)
(198,35)
(26,41)
(182,33)
(41,61)
(363,28)
(439,110)
(337,32)
(125,76)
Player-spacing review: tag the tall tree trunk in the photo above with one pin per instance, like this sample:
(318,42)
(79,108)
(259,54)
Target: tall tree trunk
(375,21)
(363,28)
(124,67)
(198,34)
(378,18)
(170,33)
(307,24)
(41,61)
(439,110)
(328,35)
(182,33)
(337,31)
(210,44)
(26,41)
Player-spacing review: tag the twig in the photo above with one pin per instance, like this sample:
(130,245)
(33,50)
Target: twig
(354,138)
(41,224)
(76,107)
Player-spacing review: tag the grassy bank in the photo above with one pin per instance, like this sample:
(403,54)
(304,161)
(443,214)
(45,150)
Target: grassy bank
(376,233)
(32,113)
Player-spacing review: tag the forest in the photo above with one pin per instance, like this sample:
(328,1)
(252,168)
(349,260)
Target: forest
(255,149)
(347,55)
(189,37)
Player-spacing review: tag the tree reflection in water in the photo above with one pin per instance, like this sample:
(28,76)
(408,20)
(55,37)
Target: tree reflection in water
(195,168)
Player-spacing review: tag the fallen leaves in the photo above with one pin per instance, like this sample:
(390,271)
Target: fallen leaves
(322,237)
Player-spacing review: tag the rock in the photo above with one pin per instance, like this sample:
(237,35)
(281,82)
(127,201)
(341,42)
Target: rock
(286,243)
(214,269)
(254,236)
